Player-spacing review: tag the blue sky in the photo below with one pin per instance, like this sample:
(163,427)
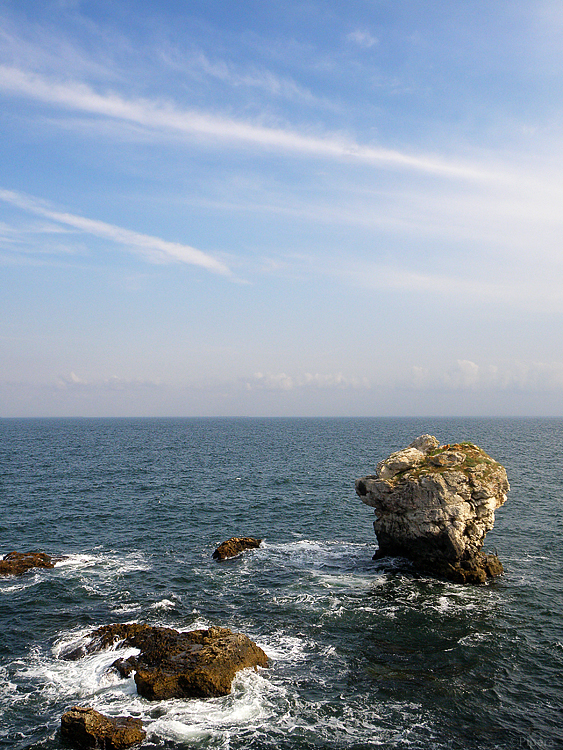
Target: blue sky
(298,208)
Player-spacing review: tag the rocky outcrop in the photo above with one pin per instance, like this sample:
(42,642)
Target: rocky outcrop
(234,546)
(17,563)
(434,505)
(172,664)
(86,728)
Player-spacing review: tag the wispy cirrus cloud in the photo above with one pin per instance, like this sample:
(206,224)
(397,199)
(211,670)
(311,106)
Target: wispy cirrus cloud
(162,116)
(200,65)
(153,249)
(362,38)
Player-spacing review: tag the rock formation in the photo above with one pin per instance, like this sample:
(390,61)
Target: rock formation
(86,728)
(234,546)
(17,563)
(434,505)
(172,664)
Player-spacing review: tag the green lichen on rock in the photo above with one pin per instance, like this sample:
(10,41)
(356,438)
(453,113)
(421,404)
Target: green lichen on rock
(463,457)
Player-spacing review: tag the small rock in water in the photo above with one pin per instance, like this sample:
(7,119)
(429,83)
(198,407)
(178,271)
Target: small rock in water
(234,546)
(173,664)
(17,563)
(86,728)
(434,505)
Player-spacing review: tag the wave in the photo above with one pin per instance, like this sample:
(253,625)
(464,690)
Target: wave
(90,681)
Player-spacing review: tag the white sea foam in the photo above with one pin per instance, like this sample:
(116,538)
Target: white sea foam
(126,610)
(349,582)
(77,680)
(70,641)
(163,604)
(474,639)
(106,563)
(261,701)
(7,687)
(77,561)
(95,571)
(281,646)
(443,604)
(251,704)
(89,681)
(201,623)
(14,587)
(311,552)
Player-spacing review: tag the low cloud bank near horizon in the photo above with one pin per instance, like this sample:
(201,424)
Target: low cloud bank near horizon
(418,393)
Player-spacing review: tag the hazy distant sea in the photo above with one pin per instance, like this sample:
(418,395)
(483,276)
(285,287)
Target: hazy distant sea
(363,654)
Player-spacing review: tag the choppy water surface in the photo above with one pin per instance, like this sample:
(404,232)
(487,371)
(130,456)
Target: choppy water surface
(363,654)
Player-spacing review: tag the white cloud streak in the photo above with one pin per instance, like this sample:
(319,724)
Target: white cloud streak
(362,38)
(165,116)
(154,249)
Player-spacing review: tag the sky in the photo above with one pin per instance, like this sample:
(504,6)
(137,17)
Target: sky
(316,208)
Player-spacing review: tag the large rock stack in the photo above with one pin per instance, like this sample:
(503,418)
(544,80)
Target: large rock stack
(434,505)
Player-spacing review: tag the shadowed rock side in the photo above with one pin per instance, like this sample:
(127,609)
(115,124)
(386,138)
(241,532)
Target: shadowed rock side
(434,505)
(234,546)
(17,563)
(193,664)
(86,728)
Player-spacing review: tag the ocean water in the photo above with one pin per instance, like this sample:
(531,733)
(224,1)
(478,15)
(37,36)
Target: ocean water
(363,653)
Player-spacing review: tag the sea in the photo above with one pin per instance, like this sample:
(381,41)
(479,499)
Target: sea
(363,654)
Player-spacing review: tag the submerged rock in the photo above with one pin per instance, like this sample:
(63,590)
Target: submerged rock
(234,546)
(172,664)
(434,505)
(86,728)
(17,563)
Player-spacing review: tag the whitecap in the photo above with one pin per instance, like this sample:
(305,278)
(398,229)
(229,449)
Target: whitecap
(443,604)
(474,639)
(164,604)
(349,581)
(12,588)
(110,562)
(280,646)
(126,609)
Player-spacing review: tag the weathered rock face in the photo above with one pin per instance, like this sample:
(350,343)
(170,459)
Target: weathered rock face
(86,728)
(234,546)
(434,504)
(193,664)
(17,563)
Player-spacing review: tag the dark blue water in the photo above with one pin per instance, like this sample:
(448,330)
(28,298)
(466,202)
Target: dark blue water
(363,654)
